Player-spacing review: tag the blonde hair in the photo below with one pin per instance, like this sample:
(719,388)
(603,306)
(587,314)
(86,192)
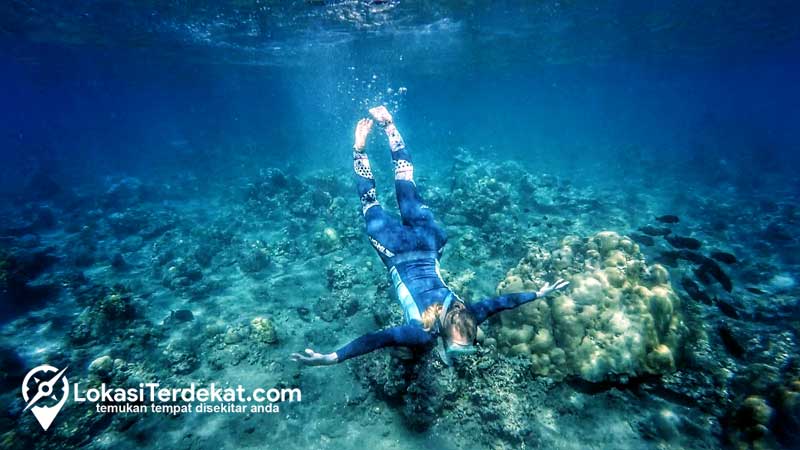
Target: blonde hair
(430,315)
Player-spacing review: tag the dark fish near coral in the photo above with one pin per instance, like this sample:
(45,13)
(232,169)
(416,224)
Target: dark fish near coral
(692,256)
(668,258)
(684,242)
(727,308)
(724,257)
(730,342)
(655,231)
(669,218)
(755,290)
(694,291)
(643,239)
(702,275)
(711,267)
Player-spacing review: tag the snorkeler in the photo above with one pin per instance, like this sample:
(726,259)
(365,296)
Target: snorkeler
(411,250)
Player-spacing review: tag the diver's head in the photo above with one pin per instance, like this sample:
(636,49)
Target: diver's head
(458,328)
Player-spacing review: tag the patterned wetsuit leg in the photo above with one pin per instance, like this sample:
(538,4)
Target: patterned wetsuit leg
(386,233)
(412,209)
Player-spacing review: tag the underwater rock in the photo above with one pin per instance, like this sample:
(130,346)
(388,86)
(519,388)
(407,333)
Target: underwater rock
(262,330)
(776,233)
(643,239)
(13,368)
(128,222)
(118,261)
(129,191)
(254,257)
(664,425)
(428,393)
(724,257)
(782,282)
(668,218)
(339,305)
(787,414)
(181,315)
(683,242)
(39,217)
(327,241)
(40,185)
(117,305)
(101,368)
(182,274)
(340,276)
(694,291)
(655,231)
(752,420)
(181,357)
(593,330)
(109,311)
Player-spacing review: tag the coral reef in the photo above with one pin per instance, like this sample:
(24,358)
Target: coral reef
(263,330)
(619,318)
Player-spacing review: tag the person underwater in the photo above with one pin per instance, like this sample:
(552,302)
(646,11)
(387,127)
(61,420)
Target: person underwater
(411,248)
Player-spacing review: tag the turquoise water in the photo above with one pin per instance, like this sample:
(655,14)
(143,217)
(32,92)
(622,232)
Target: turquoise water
(177,205)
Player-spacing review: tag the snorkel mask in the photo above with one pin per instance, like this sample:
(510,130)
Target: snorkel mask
(452,350)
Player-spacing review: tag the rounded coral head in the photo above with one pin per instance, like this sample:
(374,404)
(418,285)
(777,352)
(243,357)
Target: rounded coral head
(459,328)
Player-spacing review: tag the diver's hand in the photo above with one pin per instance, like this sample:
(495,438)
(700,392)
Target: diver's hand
(312,358)
(362,130)
(548,288)
(381,114)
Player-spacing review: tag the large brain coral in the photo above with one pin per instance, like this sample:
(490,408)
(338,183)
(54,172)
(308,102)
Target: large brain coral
(619,317)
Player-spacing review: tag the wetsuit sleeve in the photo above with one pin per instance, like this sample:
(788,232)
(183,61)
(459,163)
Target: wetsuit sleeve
(405,335)
(485,308)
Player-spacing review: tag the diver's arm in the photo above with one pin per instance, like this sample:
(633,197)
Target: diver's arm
(405,335)
(485,308)
(384,118)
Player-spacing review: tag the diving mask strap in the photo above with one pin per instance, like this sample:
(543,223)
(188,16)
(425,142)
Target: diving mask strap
(441,347)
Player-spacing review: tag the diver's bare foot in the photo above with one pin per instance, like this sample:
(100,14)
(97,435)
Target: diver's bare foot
(362,130)
(381,114)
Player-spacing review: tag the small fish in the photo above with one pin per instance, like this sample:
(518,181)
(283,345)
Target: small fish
(724,257)
(755,290)
(669,218)
(730,342)
(684,242)
(643,239)
(694,291)
(655,231)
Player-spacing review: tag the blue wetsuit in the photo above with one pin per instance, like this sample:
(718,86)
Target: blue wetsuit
(410,248)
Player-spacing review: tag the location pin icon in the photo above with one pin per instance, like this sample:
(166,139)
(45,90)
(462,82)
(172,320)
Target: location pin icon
(46,414)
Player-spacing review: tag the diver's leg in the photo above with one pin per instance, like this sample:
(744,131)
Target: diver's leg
(379,224)
(412,210)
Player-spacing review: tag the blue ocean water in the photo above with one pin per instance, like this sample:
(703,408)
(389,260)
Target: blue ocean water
(162,157)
